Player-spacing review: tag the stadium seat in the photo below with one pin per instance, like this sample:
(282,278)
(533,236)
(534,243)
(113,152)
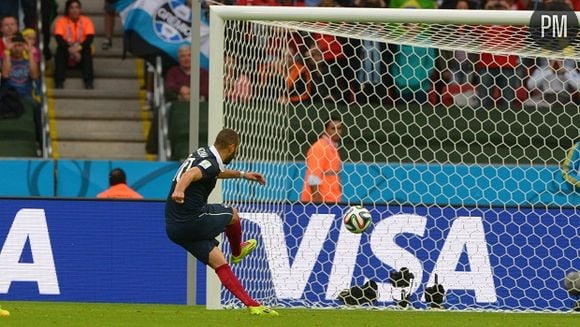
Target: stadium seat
(17,135)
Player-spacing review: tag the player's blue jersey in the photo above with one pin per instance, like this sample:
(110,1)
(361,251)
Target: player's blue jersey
(196,193)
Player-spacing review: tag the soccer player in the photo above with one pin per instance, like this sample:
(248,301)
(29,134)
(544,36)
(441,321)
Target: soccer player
(323,164)
(193,223)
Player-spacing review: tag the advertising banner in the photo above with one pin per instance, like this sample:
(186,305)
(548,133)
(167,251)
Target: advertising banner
(117,251)
(88,251)
(496,258)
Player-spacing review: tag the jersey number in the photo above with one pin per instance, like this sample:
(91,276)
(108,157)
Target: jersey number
(183,168)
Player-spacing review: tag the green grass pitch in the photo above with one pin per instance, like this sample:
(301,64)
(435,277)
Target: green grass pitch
(38,314)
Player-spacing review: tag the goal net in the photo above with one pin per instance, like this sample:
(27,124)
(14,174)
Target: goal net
(457,127)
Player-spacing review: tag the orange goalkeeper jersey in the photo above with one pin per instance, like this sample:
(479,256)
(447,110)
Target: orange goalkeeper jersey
(323,167)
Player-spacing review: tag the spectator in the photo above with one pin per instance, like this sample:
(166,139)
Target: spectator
(335,52)
(118,188)
(8,27)
(238,87)
(178,79)
(571,166)
(30,37)
(298,79)
(553,81)
(288,74)
(109,24)
(24,10)
(323,166)
(498,70)
(74,35)
(411,70)
(319,74)
(18,72)
(454,75)
(456,66)
(371,71)
(412,66)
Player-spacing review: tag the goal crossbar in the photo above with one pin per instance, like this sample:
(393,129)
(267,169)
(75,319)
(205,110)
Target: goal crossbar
(376,15)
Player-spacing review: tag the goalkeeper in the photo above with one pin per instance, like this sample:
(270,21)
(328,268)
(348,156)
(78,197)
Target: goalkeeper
(194,224)
(323,165)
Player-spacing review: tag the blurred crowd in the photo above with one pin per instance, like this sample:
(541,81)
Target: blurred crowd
(325,67)
(22,31)
(322,67)
(20,59)
(317,67)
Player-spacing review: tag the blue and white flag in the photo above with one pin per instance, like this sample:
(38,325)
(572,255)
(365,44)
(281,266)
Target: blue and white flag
(160,27)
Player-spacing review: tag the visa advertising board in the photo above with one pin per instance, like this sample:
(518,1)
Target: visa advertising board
(117,251)
(491,258)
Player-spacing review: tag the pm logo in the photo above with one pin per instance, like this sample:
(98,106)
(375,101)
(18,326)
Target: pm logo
(554,26)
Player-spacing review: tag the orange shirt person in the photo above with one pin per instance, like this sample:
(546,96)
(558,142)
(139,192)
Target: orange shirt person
(323,165)
(74,34)
(118,187)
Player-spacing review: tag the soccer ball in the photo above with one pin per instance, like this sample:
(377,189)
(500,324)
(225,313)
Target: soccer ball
(572,283)
(357,219)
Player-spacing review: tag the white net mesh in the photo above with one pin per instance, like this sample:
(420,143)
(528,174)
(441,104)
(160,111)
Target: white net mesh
(454,137)
(473,38)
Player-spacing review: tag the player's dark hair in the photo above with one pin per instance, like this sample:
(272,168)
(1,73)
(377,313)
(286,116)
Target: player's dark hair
(117,176)
(226,137)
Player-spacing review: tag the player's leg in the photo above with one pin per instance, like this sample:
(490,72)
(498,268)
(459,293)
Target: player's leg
(217,261)
(208,252)
(226,218)
(187,235)
(234,234)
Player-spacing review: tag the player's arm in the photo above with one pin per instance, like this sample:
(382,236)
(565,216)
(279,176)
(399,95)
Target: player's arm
(191,175)
(252,176)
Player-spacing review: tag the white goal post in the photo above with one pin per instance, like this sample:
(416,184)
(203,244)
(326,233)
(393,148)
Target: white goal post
(463,176)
